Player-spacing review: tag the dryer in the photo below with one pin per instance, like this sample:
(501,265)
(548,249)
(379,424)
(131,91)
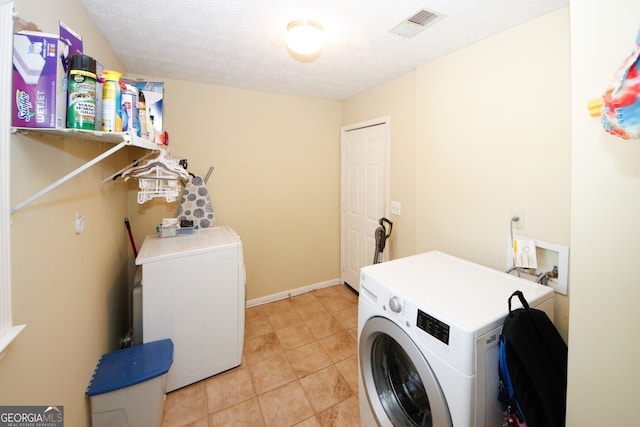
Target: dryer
(193,292)
(428,329)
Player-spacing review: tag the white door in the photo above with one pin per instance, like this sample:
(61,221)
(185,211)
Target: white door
(365,181)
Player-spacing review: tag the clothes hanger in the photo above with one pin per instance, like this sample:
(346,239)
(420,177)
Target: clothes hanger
(162,167)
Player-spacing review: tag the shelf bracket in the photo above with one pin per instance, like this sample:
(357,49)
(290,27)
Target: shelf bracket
(71,175)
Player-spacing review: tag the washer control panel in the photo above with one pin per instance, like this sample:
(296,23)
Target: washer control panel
(433,326)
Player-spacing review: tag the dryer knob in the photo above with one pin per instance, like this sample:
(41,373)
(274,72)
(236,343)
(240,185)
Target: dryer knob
(395,305)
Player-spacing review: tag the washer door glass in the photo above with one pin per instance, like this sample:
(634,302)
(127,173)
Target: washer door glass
(398,384)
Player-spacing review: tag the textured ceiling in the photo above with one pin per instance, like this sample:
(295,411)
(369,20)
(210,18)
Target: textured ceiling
(240,43)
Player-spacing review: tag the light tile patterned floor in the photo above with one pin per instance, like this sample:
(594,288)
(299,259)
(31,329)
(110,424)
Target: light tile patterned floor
(299,368)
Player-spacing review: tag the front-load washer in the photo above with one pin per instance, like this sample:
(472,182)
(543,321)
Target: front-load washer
(428,330)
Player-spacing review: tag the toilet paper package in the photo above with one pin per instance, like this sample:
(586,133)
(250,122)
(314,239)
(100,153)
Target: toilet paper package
(40,77)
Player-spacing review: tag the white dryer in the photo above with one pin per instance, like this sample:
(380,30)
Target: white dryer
(428,329)
(193,291)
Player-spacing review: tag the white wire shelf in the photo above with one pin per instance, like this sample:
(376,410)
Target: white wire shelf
(89,135)
(120,139)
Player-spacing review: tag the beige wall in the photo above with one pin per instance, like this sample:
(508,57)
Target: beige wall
(603,342)
(276,179)
(395,99)
(493,133)
(69,289)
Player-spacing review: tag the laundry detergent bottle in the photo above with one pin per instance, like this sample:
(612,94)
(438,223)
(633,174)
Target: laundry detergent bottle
(111,102)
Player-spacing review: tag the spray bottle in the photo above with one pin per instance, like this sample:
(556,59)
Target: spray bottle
(111,102)
(142,115)
(81,112)
(130,120)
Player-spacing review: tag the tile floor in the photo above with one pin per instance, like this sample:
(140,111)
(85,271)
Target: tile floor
(299,368)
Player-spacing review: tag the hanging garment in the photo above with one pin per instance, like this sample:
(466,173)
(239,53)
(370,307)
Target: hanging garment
(621,100)
(196,205)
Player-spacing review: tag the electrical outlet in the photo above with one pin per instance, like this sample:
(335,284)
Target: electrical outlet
(396,208)
(517,213)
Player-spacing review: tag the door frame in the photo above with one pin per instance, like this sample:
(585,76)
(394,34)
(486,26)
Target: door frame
(386,122)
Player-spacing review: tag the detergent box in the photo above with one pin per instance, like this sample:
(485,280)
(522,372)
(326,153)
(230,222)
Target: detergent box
(39,97)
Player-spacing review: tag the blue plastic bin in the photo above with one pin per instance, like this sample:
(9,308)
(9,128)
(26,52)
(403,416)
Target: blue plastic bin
(127,387)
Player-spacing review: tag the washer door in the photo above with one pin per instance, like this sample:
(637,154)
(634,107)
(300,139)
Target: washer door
(401,387)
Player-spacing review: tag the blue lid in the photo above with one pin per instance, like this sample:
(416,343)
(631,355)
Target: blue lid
(131,366)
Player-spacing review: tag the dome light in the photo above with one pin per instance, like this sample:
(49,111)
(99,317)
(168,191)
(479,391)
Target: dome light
(305,39)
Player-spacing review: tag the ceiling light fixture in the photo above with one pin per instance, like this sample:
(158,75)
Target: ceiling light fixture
(305,39)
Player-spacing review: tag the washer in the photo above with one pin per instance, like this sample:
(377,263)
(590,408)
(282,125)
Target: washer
(428,329)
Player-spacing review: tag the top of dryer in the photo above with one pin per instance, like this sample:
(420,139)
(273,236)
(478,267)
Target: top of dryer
(452,289)
(156,248)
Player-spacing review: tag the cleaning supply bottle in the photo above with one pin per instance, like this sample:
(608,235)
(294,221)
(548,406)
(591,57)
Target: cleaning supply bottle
(142,115)
(81,108)
(111,102)
(130,121)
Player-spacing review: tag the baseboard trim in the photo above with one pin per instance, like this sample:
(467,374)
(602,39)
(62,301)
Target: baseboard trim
(288,294)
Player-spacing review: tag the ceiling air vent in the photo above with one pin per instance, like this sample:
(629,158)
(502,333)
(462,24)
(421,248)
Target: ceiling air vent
(415,23)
